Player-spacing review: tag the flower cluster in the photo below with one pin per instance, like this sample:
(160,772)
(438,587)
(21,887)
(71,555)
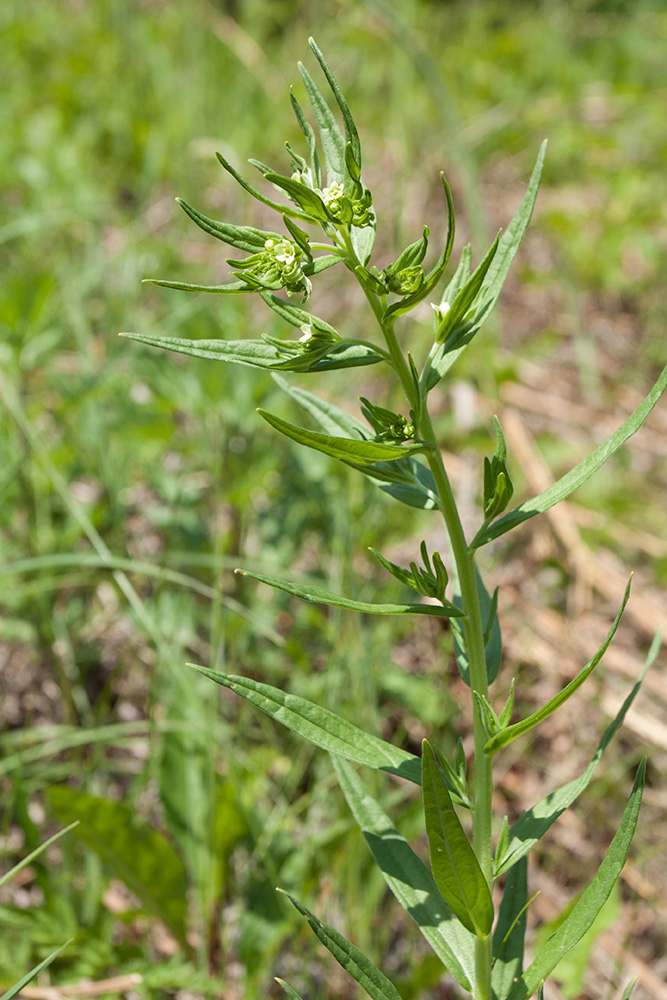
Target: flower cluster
(278,265)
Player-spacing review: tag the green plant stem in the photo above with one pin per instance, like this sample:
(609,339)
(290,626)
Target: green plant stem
(474,633)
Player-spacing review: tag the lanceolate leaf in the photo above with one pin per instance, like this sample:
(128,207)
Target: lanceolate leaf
(320,726)
(242,237)
(351,134)
(534,823)
(628,989)
(519,728)
(333,143)
(509,243)
(360,453)
(577,476)
(409,879)
(509,932)
(455,867)
(359,966)
(318,595)
(140,856)
(260,354)
(589,903)
(284,209)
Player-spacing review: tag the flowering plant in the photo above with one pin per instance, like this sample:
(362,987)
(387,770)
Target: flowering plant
(471,904)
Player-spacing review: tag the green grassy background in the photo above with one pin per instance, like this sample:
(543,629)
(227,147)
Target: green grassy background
(132,482)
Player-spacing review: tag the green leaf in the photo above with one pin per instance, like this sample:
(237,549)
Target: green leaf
(577,476)
(589,903)
(320,726)
(333,143)
(442,360)
(351,134)
(17,987)
(359,966)
(230,288)
(311,139)
(24,862)
(456,321)
(260,353)
(519,728)
(455,867)
(139,856)
(510,931)
(493,649)
(318,595)
(298,317)
(628,989)
(433,277)
(571,969)
(305,197)
(535,822)
(291,993)
(242,237)
(283,209)
(357,452)
(409,879)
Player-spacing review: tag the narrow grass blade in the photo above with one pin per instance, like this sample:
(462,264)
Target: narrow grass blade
(534,823)
(577,476)
(318,595)
(321,727)
(510,931)
(34,854)
(140,856)
(359,966)
(628,989)
(519,728)
(17,987)
(589,903)
(455,867)
(361,453)
(409,879)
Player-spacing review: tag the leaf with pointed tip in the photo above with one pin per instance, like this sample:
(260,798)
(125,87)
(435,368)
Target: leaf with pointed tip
(438,269)
(456,321)
(305,197)
(311,139)
(358,452)
(509,932)
(318,595)
(519,728)
(509,243)
(289,990)
(589,903)
(242,237)
(17,987)
(333,143)
(534,823)
(260,354)
(351,134)
(321,727)
(409,879)
(231,287)
(283,209)
(359,966)
(24,862)
(293,314)
(577,476)
(455,867)
(628,989)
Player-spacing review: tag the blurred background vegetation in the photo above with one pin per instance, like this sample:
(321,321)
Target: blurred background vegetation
(132,482)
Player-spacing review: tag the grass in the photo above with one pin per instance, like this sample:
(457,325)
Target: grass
(131,484)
